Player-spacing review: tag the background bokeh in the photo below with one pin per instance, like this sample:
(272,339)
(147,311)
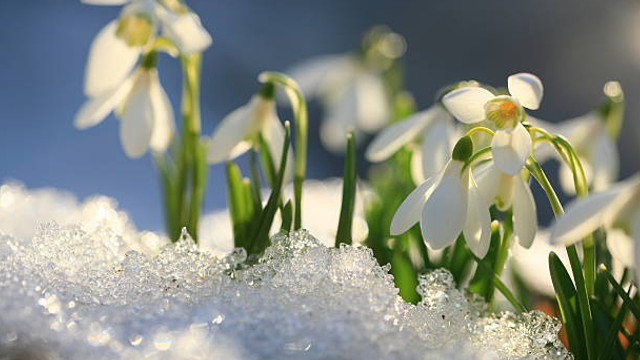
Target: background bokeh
(574,46)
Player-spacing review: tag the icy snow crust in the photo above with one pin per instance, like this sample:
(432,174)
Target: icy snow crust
(89,286)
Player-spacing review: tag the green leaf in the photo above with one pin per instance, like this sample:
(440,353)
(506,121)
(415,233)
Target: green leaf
(611,337)
(498,284)
(625,297)
(239,207)
(567,301)
(287,216)
(343,235)
(260,237)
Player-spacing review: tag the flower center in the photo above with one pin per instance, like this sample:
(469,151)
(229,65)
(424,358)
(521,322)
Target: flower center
(504,111)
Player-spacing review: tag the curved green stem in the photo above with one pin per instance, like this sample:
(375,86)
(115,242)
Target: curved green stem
(581,287)
(299,106)
(479,129)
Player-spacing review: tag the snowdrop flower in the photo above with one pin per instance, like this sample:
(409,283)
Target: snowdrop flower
(593,140)
(351,87)
(511,145)
(448,204)
(617,210)
(507,191)
(239,131)
(438,132)
(118,46)
(144,109)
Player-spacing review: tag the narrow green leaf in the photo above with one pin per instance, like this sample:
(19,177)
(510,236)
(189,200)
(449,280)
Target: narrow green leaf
(498,284)
(260,237)
(623,294)
(611,339)
(343,235)
(287,216)
(567,301)
(268,165)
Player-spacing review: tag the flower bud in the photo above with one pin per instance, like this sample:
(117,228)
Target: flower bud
(504,111)
(135,29)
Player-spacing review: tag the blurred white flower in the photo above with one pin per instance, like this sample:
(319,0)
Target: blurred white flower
(319,216)
(118,46)
(239,131)
(438,131)
(594,144)
(617,210)
(144,109)
(511,144)
(506,191)
(352,93)
(446,205)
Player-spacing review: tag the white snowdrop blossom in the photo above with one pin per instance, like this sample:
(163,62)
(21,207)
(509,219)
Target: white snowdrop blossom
(446,205)
(438,132)
(511,144)
(617,210)
(353,96)
(118,46)
(143,107)
(507,191)
(238,132)
(594,144)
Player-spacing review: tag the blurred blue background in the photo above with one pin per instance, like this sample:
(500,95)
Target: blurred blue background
(574,46)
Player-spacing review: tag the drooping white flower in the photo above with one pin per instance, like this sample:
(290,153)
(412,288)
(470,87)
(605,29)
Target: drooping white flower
(438,132)
(118,46)
(511,144)
(239,131)
(144,109)
(616,209)
(446,205)
(593,142)
(507,191)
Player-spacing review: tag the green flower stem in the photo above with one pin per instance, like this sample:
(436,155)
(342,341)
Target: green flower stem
(498,284)
(583,296)
(193,163)
(479,129)
(301,119)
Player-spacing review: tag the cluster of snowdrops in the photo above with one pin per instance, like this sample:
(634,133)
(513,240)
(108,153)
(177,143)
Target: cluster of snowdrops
(452,188)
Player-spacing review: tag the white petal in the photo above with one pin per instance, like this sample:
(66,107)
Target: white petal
(495,186)
(621,246)
(477,228)
(437,145)
(527,88)
(444,213)
(408,214)
(136,121)
(341,117)
(372,101)
(565,175)
(110,61)
(392,138)
(467,104)
(321,75)
(185,30)
(416,167)
(96,109)
(583,216)
(510,149)
(525,218)
(164,123)
(105,2)
(636,244)
(605,162)
(228,140)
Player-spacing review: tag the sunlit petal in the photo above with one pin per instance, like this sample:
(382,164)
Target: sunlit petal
(467,104)
(605,162)
(109,62)
(408,214)
(437,145)
(510,149)
(372,102)
(228,140)
(320,74)
(341,117)
(96,109)
(392,138)
(444,213)
(527,88)
(185,30)
(477,228)
(164,123)
(525,218)
(583,216)
(621,246)
(136,121)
